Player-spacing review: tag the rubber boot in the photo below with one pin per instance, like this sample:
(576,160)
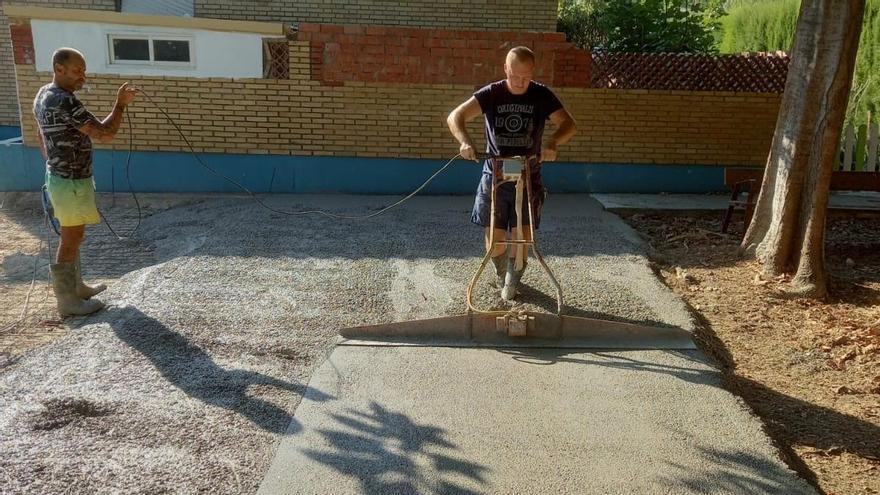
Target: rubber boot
(500,262)
(82,290)
(64,283)
(511,281)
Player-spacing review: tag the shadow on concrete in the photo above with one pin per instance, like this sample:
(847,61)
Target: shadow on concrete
(792,421)
(617,360)
(532,295)
(731,472)
(384,450)
(789,421)
(192,370)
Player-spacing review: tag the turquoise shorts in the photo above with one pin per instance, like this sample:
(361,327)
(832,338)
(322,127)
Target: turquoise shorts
(73,200)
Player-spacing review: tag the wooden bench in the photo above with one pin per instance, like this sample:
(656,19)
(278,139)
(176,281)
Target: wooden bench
(748,181)
(841,180)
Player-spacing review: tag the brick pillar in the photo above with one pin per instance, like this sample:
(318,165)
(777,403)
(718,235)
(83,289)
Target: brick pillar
(22,44)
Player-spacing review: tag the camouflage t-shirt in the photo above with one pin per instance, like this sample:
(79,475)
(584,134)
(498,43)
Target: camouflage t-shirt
(60,115)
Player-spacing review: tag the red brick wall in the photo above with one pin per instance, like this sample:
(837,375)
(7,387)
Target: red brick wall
(22,44)
(488,15)
(435,56)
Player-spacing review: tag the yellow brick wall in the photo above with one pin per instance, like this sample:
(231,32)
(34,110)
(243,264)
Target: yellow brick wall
(642,126)
(302,117)
(510,15)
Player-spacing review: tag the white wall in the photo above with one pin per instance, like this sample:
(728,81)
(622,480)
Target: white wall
(214,53)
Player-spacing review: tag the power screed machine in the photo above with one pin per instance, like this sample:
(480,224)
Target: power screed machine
(516,328)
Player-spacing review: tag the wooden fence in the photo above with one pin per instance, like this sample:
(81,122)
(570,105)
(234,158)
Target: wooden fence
(860,148)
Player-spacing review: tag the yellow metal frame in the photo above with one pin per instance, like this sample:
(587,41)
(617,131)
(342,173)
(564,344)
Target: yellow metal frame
(497,180)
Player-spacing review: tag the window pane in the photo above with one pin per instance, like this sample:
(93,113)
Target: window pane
(128,49)
(171,51)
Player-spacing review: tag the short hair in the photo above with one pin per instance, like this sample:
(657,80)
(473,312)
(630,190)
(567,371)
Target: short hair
(521,54)
(64,54)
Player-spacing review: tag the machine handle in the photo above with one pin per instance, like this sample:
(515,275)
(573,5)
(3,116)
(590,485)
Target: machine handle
(486,156)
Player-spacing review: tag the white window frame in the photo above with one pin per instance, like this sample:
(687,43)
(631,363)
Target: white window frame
(150,38)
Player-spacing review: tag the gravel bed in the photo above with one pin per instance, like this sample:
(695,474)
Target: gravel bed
(189,380)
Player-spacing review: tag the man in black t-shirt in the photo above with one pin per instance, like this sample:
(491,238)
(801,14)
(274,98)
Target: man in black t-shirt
(515,111)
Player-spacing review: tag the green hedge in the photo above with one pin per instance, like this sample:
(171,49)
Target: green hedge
(761,26)
(769,25)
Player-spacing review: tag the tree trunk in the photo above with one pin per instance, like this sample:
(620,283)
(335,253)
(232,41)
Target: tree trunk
(787,231)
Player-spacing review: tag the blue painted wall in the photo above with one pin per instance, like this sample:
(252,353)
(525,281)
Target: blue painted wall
(22,169)
(9,131)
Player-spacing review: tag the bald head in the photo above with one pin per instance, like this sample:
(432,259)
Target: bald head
(65,55)
(70,68)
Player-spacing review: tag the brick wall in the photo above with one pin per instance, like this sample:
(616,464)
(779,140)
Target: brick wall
(304,115)
(22,44)
(410,55)
(8,99)
(659,126)
(527,15)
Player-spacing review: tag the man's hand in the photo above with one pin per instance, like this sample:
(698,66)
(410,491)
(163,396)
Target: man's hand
(565,129)
(457,120)
(126,94)
(467,152)
(104,131)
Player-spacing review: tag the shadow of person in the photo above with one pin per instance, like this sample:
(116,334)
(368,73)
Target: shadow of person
(192,370)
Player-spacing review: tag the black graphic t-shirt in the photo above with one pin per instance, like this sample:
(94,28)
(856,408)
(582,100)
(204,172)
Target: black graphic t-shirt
(515,123)
(60,115)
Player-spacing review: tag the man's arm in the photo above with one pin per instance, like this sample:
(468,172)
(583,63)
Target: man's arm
(457,122)
(105,130)
(565,130)
(40,139)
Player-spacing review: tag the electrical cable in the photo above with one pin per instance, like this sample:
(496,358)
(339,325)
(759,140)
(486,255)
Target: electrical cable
(292,213)
(24,311)
(46,207)
(130,189)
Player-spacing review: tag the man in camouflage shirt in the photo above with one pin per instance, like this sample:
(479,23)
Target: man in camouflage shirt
(66,130)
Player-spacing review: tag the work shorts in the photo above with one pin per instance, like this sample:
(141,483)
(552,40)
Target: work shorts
(505,204)
(73,200)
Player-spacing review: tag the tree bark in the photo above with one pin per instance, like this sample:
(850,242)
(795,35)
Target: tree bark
(787,231)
